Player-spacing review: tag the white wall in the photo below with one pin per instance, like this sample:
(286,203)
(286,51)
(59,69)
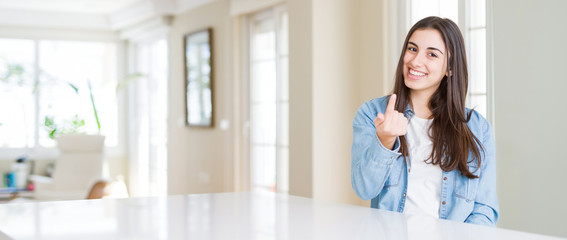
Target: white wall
(336,77)
(530,83)
(200,159)
(371,53)
(300,98)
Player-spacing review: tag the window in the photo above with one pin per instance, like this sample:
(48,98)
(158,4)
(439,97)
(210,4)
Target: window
(148,118)
(269,101)
(78,63)
(54,82)
(476,31)
(471,17)
(17,98)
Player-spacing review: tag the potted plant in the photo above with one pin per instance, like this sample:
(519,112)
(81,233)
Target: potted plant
(75,125)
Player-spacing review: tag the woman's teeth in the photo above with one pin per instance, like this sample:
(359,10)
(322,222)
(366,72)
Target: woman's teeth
(416,73)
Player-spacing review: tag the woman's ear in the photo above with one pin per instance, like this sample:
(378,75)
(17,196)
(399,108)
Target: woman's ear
(449,73)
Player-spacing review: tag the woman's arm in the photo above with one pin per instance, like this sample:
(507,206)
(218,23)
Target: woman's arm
(371,162)
(485,211)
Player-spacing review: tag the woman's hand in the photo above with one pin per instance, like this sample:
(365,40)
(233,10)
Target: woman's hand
(391,124)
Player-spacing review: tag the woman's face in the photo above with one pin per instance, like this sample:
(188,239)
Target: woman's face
(425,61)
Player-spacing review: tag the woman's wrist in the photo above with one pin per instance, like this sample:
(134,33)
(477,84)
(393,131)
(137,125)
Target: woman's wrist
(387,142)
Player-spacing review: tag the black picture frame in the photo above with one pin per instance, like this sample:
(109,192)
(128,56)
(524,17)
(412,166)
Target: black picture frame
(199,78)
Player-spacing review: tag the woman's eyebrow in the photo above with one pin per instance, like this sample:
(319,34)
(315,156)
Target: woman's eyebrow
(431,48)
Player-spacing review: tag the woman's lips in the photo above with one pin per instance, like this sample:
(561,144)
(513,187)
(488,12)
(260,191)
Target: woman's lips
(416,75)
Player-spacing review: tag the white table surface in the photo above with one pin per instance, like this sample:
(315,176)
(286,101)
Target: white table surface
(227,216)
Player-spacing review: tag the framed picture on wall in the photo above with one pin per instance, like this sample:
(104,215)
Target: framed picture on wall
(199,105)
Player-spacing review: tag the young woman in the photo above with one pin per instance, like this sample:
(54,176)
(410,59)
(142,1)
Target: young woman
(419,150)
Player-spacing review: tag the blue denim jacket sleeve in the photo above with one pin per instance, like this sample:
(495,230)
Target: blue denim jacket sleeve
(485,211)
(371,162)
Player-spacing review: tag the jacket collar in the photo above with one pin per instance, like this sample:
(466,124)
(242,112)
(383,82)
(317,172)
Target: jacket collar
(408,113)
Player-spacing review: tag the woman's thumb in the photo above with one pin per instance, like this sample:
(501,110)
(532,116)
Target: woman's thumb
(379,119)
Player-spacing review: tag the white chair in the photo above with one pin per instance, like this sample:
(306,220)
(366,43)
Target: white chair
(78,168)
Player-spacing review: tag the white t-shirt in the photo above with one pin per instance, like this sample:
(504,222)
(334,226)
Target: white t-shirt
(424,179)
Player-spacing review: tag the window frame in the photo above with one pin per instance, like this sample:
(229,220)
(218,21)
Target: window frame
(247,30)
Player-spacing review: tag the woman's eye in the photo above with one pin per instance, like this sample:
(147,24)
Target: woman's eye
(432,55)
(413,49)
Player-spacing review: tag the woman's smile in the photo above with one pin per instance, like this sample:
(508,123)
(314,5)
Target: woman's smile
(416,75)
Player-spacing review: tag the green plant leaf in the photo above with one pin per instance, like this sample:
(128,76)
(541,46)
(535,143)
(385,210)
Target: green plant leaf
(126,81)
(94,106)
(74,87)
(52,134)
(48,121)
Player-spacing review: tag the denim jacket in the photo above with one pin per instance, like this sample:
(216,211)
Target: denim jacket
(381,174)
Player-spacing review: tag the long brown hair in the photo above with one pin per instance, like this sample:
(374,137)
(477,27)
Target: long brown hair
(452,139)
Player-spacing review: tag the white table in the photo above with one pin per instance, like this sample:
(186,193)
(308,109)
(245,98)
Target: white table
(228,216)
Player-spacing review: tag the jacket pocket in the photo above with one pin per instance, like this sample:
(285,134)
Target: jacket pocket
(395,176)
(466,188)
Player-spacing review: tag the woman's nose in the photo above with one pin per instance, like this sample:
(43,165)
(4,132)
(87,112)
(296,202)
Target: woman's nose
(417,60)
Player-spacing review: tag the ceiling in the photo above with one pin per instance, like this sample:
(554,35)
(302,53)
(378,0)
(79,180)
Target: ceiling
(109,15)
(73,6)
